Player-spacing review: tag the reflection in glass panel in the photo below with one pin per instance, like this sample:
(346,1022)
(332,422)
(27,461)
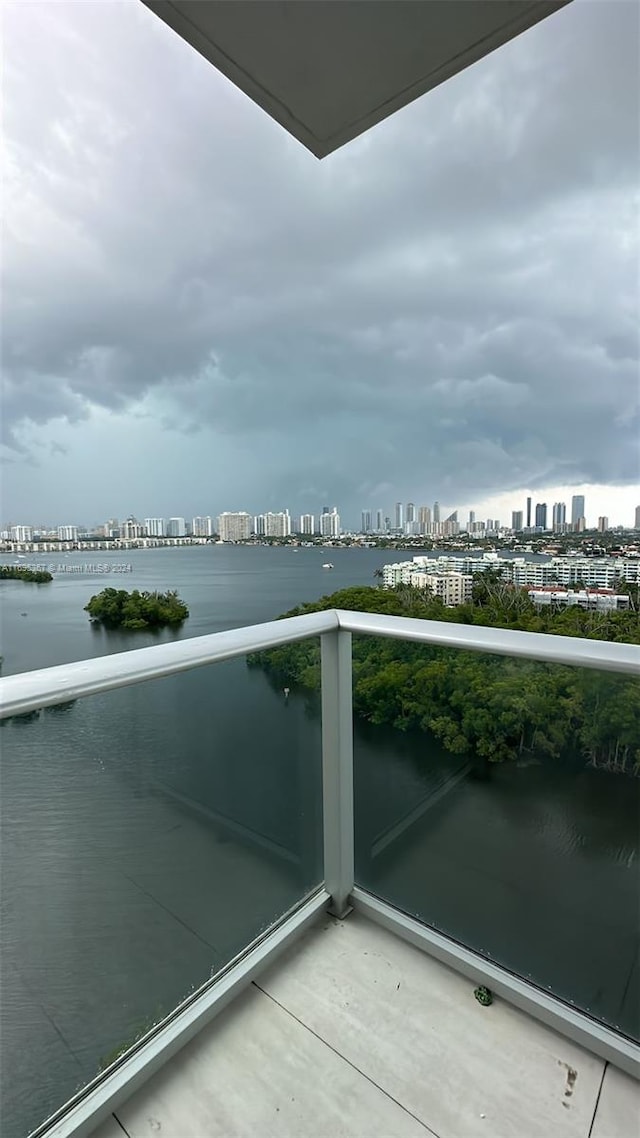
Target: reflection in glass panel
(498,801)
(148,835)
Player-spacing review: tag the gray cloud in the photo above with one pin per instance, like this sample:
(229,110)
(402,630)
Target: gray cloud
(449,302)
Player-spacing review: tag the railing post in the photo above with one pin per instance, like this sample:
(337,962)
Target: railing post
(337,769)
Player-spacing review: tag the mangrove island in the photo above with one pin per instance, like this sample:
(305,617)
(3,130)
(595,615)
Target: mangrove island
(116,608)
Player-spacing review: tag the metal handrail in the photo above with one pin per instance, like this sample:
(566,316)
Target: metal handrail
(576,651)
(28,691)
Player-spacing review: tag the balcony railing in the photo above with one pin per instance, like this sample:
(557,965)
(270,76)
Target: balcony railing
(349,852)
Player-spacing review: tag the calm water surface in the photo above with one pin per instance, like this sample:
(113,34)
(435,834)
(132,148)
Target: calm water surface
(149,833)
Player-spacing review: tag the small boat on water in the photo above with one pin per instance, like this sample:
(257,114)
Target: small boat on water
(327,565)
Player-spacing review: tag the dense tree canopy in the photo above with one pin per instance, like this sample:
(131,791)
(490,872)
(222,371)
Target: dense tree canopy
(493,707)
(116,608)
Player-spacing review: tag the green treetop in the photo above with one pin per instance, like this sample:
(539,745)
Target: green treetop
(116,608)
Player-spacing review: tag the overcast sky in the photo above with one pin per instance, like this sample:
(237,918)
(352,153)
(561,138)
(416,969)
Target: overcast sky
(198,315)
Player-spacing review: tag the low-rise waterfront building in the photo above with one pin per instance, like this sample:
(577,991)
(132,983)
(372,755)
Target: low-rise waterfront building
(593,572)
(452,588)
(598,600)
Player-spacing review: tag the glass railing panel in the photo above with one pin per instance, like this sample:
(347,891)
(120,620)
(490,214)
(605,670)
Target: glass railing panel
(498,801)
(148,836)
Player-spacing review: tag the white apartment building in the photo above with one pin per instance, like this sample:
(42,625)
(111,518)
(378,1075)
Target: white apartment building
(440,574)
(598,600)
(330,523)
(307,525)
(452,588)
(21,533)
(202,527)
(67,533)
(398,574)
(176,527)
(234,526)
(155,527)
(131,530)
(273,525)
(594,572)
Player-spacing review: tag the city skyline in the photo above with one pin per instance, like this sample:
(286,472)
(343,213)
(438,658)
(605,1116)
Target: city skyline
(559,512)
(378,327)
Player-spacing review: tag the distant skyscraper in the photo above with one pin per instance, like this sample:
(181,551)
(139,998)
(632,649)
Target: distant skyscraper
(528,513)
(424,519)
(132,529)
(176,527)
(202,527)
(637,521)
(559,515)
(472,517)
(67,533)
(307,524)
(603,524)
(155,527)
(273,525)
(411,513)
(366,521)
(577,509)
(234,526)
(379,521)
(279,524)
(436,513)
(330,523)
(541,515)
(21,533)
(516,521)
(399,516)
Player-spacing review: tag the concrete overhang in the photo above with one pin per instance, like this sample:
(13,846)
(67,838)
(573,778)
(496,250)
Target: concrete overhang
(328,70)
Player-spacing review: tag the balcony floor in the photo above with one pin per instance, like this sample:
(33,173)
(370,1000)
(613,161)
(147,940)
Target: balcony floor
(356,1033)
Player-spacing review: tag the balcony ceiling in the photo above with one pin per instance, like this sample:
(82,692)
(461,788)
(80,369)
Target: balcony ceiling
(328,71)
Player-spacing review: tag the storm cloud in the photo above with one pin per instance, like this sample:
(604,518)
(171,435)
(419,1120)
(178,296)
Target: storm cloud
(446,307)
